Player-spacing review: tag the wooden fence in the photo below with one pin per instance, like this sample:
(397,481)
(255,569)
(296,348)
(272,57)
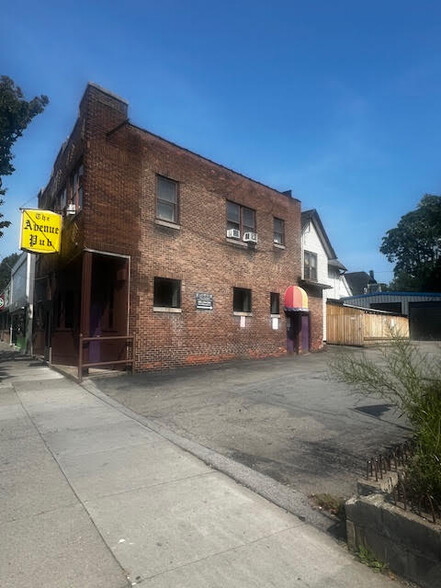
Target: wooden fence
(346,325)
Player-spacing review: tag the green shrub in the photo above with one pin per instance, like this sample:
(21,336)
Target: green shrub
(404,376)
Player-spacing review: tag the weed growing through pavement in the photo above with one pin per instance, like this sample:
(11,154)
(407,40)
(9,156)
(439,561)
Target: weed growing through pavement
(368,558)
(329,503)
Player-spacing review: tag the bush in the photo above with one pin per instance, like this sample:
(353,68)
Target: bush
(411,380)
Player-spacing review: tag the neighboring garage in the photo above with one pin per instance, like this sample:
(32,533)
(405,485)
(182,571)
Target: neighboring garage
(425,321)
(422,308)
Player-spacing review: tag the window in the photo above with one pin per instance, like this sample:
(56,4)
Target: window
(240,217)
(279,231)
(310,266)
(241,300)
(78,188)
(166,199)
(275,303)
(61,201)
(167,293)
(75,189)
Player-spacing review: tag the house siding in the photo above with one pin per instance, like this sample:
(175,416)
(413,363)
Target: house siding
(312,243)
(339,286)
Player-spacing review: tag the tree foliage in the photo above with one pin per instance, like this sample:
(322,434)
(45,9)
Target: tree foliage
(6,265)
(415,247)
(15,115)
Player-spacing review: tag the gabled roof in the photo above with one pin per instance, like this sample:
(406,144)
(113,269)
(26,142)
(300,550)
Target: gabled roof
(312,216)
(357,281)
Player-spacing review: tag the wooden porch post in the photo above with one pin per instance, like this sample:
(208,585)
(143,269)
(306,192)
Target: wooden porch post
(86,286)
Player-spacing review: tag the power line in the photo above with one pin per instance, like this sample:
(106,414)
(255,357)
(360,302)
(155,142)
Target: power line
(28,200)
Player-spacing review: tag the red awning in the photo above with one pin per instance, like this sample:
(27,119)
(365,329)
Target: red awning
(296,299)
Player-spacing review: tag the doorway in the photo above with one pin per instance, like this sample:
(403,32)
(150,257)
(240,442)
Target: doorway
(108,307)
(297,332)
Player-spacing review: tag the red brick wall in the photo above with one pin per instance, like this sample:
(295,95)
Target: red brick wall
(121,162)
(316,321)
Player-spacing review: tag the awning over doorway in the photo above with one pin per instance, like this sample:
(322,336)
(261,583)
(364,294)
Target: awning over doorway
(296,299)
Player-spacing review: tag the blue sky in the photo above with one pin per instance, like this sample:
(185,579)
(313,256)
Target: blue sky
(338,101)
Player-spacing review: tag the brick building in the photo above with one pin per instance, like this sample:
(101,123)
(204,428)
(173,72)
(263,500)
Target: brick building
(159,242)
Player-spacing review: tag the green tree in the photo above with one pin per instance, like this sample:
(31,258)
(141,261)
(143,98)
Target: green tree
(6,265)
(415,247)
(15,115)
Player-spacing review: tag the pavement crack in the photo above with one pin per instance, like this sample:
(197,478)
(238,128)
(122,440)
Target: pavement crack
(218,553)
(169,482)
(48,448)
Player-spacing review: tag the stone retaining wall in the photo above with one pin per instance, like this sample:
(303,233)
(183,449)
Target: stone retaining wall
(408,544)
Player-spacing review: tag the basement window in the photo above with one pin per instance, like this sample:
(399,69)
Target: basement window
(241,300)
(167,293)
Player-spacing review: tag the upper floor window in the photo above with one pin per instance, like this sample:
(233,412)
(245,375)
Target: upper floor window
(241,300)
(241,218)
(279,231)
(167,293)
(77,187)
(63,199)
(74,195)
(310,266)
(167,199)
(60,201)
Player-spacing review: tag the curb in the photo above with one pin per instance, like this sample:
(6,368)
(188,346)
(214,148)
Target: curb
(289,499)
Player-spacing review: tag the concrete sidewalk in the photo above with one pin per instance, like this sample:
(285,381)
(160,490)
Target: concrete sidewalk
(91,497)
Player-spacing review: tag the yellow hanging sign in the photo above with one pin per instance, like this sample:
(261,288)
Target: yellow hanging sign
(40,231)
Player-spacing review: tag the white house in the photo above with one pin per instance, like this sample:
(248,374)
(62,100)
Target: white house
(320,265)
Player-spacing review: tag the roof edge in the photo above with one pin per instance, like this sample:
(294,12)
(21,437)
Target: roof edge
(106,91)
(371,294)
(313,216)
(285,193)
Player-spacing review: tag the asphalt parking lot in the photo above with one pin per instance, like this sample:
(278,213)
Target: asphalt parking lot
(282,417)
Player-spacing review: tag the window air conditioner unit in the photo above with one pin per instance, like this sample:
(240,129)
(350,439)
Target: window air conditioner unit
(250,237)
(71,208)
(233,233)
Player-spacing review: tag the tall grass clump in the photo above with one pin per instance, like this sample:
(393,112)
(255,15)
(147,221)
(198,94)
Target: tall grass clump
(410,379)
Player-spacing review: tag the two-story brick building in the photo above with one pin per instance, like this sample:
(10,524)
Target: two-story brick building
(190,257)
